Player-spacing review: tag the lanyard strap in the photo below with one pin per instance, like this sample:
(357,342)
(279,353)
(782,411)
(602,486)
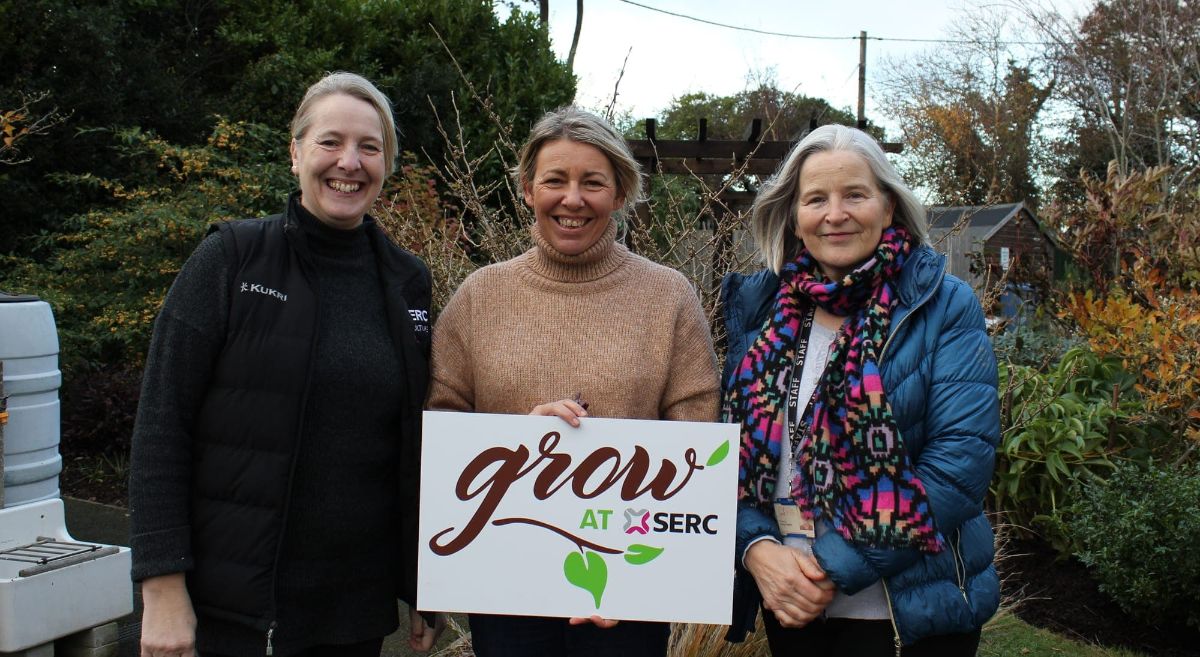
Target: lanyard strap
(797,427)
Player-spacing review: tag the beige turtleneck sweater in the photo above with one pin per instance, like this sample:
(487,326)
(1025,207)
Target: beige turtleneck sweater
(625,333)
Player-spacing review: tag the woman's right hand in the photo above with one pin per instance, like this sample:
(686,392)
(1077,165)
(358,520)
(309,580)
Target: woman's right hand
(168,621)
(570,410)
(793,586)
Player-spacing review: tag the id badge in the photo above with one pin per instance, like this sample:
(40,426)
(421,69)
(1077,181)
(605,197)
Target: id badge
(792,522)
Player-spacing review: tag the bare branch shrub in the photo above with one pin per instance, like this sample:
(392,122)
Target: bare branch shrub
(23,122)
(482,220)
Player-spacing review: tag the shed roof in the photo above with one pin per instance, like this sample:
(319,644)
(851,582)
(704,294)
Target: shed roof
(982,221)
(981,216)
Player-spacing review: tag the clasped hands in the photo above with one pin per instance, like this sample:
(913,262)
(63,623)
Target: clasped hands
(792,584)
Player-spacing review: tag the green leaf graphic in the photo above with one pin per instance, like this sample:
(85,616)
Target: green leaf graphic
(591,577)
(719,454)
(639,554)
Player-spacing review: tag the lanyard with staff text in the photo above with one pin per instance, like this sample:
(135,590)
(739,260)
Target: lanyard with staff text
(797,427)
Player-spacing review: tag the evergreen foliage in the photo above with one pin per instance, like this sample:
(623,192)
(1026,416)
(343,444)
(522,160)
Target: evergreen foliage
(166,66)
(1138,533)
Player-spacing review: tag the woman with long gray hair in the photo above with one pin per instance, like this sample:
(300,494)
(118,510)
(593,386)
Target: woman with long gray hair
(864,384)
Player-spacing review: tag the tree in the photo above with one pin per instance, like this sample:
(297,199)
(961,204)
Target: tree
(102,64)
(168,66)
(1130,72)
(786,115)
(110,268)
(969,113)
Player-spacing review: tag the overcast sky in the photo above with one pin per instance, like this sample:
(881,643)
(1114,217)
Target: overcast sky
(670,56)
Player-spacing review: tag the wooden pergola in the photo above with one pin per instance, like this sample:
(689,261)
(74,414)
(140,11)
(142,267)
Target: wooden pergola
(704,156)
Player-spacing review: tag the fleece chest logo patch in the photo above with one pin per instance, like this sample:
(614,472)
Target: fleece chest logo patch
(258,288)
(420,319)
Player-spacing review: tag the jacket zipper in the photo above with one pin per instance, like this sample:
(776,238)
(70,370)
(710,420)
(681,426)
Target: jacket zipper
(958,561)
(887,595)
(302,257)
(887,343)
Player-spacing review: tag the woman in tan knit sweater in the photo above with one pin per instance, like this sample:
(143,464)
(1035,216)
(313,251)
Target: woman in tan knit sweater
(576,326)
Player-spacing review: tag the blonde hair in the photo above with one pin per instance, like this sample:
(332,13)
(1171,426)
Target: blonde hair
(355,86)
(570,122)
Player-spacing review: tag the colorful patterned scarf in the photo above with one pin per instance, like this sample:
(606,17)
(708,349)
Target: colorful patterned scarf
(852,469)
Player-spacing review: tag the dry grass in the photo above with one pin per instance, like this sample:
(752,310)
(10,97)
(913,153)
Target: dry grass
(709,641)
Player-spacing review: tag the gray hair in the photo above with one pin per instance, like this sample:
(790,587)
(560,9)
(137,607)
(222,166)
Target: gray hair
(570,122)
(355,86)
(773,223)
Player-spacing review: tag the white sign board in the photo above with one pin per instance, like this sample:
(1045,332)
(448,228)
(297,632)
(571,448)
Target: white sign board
(625,519)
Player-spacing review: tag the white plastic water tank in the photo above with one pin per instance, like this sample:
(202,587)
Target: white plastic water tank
(29,351)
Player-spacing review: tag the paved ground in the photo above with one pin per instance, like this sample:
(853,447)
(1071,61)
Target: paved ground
(100,523)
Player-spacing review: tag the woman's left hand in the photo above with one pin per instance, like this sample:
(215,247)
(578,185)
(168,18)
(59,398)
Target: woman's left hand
(602,623)
(421,636)
(570,410)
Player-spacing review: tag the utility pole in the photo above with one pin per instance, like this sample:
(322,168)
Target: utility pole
(862,79)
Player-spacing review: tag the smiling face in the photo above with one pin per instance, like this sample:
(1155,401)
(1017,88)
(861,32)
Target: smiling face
(573,194)
(339,160)
(842,211)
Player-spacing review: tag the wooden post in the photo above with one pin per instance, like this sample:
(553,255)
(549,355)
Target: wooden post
(862,79)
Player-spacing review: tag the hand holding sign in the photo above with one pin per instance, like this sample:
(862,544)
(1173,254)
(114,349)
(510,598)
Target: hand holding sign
(570,410)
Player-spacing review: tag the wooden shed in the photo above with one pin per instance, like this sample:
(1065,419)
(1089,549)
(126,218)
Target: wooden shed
(982,242)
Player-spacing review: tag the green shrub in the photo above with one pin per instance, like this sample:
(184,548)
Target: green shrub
(106,272)
(1061,427)
(1038,342)
(1139,533)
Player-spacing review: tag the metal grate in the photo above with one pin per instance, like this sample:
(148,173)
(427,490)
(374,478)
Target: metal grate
(50,554)
(46,550)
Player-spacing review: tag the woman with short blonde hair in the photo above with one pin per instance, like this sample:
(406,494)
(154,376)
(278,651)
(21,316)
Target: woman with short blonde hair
(576,327)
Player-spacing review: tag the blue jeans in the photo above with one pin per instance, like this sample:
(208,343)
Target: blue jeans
(534,636)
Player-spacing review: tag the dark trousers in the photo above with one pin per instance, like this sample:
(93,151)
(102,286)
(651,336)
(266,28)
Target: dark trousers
(531,636)
(869,638)
(368,648)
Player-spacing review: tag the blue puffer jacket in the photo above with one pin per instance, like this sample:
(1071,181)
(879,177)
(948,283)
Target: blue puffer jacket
(940,375)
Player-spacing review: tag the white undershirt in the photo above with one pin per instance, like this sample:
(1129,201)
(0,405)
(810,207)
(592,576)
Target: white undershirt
(871,602)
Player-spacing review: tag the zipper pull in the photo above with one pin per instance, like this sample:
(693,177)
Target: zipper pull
(270,633)
(896,640)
